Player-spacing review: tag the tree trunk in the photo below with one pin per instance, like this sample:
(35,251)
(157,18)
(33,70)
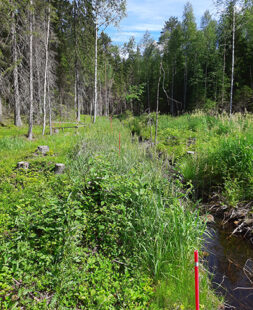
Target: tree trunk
(233,65)
(172,90)
(185,82)
(46,73)
(38,69)
(77,103)
(205,82)
(1,111)
(157,102)
(106,94)
(49,110)
(31,72)
(96,68)
(223,76)
(17,118)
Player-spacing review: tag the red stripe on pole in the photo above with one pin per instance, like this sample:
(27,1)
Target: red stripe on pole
(196,259)
(119,143)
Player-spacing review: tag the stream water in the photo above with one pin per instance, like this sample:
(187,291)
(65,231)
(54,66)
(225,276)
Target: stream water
(230,260)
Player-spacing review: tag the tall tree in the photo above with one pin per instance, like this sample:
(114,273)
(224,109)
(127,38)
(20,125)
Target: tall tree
(106,12)
(31,22)
(46,67)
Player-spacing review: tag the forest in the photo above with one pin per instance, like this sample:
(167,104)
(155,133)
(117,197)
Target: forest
(118,161)
(56,58)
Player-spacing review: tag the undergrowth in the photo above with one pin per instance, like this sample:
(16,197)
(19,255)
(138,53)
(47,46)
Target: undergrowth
(110,233)
(213,152)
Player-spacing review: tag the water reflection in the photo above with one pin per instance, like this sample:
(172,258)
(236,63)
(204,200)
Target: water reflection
(230,260)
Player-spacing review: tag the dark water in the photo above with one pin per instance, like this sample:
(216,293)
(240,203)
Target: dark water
(230,260)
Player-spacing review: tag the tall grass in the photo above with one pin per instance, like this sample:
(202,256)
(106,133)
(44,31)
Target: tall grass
(223,151)
(112,233)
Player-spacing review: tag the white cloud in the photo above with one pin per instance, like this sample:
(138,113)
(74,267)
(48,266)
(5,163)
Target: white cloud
(151,14)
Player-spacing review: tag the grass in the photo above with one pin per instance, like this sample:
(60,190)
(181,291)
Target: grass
(222,146)
(110,233)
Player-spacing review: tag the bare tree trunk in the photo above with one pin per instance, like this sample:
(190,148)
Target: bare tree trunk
(49,109)
(46,73)
(17,118)
(96,68)
(106,94)
(77,103)
(1,111)
(185,82)
(233,64)
(223,75)
(157,102)
(172,90)
(39,81)
(30,135)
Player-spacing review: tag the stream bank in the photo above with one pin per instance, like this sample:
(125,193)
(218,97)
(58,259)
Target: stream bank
(228,251)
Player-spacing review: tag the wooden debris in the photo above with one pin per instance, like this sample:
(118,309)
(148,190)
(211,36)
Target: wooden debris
(59,168)
(23,165)
(43,149)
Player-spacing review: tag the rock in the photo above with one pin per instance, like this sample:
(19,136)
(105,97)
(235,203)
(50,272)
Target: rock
(23,165)
(59,168)
(43,149)
(56,130)
(190,152)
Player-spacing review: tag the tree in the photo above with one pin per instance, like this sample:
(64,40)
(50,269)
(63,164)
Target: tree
(106,12)
(31,22)
(46,68)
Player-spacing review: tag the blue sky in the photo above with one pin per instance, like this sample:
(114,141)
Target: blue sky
(150,15)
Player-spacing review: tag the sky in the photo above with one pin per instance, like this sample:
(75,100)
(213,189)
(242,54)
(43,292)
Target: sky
(143,15)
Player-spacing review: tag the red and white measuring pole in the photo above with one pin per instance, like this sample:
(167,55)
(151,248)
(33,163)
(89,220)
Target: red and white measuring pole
(196,259)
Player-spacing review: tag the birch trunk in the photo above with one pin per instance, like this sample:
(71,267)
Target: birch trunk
(233,64)
(17,118)
(31,72)
(46,74)
(96,68)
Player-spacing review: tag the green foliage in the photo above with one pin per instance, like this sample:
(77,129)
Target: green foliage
(101,236)
(222,149)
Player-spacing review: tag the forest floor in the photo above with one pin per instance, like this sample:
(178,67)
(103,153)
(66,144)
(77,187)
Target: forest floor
(114,231)
(211,154)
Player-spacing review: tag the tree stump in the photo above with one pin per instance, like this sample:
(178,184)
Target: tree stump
(43,149)
(59,168)
(23,165)
(56,130)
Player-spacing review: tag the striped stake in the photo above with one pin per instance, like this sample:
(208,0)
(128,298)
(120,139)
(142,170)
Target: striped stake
(196,259)
(119,143)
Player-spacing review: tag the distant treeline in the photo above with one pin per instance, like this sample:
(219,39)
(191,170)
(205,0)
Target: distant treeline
(56,58)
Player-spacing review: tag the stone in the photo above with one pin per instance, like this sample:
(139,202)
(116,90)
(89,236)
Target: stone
(59,168)
(43,149)
(23,165)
